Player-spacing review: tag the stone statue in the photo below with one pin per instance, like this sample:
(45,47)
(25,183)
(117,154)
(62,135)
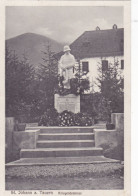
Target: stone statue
(66,64)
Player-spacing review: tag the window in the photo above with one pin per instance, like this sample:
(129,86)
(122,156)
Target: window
(122,64)
(104,65)
(85,67)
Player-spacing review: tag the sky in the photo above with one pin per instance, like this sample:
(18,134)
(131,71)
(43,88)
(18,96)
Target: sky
(63,24)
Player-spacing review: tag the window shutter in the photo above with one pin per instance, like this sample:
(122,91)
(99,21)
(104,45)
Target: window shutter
(85,66)
(122,64)
(104,65)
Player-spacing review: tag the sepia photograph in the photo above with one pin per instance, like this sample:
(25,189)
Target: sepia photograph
(64,98)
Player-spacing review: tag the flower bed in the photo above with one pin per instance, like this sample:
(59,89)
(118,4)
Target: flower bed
(66,118)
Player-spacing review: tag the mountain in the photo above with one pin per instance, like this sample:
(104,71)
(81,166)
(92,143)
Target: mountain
(32,45)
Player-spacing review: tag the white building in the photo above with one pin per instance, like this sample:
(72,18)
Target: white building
(90,65)
(99,46)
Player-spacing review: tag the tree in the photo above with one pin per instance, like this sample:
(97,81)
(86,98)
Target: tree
(48,79)
(19,77)
(83,80)
(110,83)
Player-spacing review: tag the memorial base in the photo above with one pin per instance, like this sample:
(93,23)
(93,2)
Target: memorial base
(68,102)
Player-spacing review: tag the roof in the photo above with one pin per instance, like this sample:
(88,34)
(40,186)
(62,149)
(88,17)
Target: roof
(98,43)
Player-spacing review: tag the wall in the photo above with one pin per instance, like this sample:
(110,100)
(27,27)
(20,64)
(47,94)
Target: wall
(25,139)
(118,120)
(93,67)
(105,137)
(15,140)
(10,123)
(112,141)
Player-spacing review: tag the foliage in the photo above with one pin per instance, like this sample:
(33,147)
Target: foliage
(42,87)
(46,81)
(19,78)
(83,80)
(89,104)
(103,109)
(78,85)
(110,83)
(82,119)
(65,118)
(49,118)
(30,93)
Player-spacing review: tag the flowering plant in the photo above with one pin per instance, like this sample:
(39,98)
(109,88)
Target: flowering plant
(66,118)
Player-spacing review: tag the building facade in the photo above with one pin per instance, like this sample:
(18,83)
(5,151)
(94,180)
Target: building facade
(98,48)
(90,66)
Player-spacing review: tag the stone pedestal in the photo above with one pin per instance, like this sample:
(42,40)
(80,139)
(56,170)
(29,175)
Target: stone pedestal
(25,139)
(105,137)
(69,102)
(118,120)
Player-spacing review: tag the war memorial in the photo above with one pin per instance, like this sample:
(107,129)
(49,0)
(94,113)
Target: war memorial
(41,145)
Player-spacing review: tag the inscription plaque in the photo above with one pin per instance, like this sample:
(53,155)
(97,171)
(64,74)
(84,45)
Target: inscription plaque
(69,102)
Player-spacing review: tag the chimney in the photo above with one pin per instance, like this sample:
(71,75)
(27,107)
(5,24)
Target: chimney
(97,28)
(114,26)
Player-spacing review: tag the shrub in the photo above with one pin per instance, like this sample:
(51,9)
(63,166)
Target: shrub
(49,118)
(77,86)
(65,118)
(83,119)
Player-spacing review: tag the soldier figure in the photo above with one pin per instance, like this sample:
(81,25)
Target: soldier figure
(66,66)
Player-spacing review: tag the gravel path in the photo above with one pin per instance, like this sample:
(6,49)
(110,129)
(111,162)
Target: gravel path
(104,169)
(66,183)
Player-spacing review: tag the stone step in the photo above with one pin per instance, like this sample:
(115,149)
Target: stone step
(67,130)
(65,143)
(60,152)
(61,161)
(66,136)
